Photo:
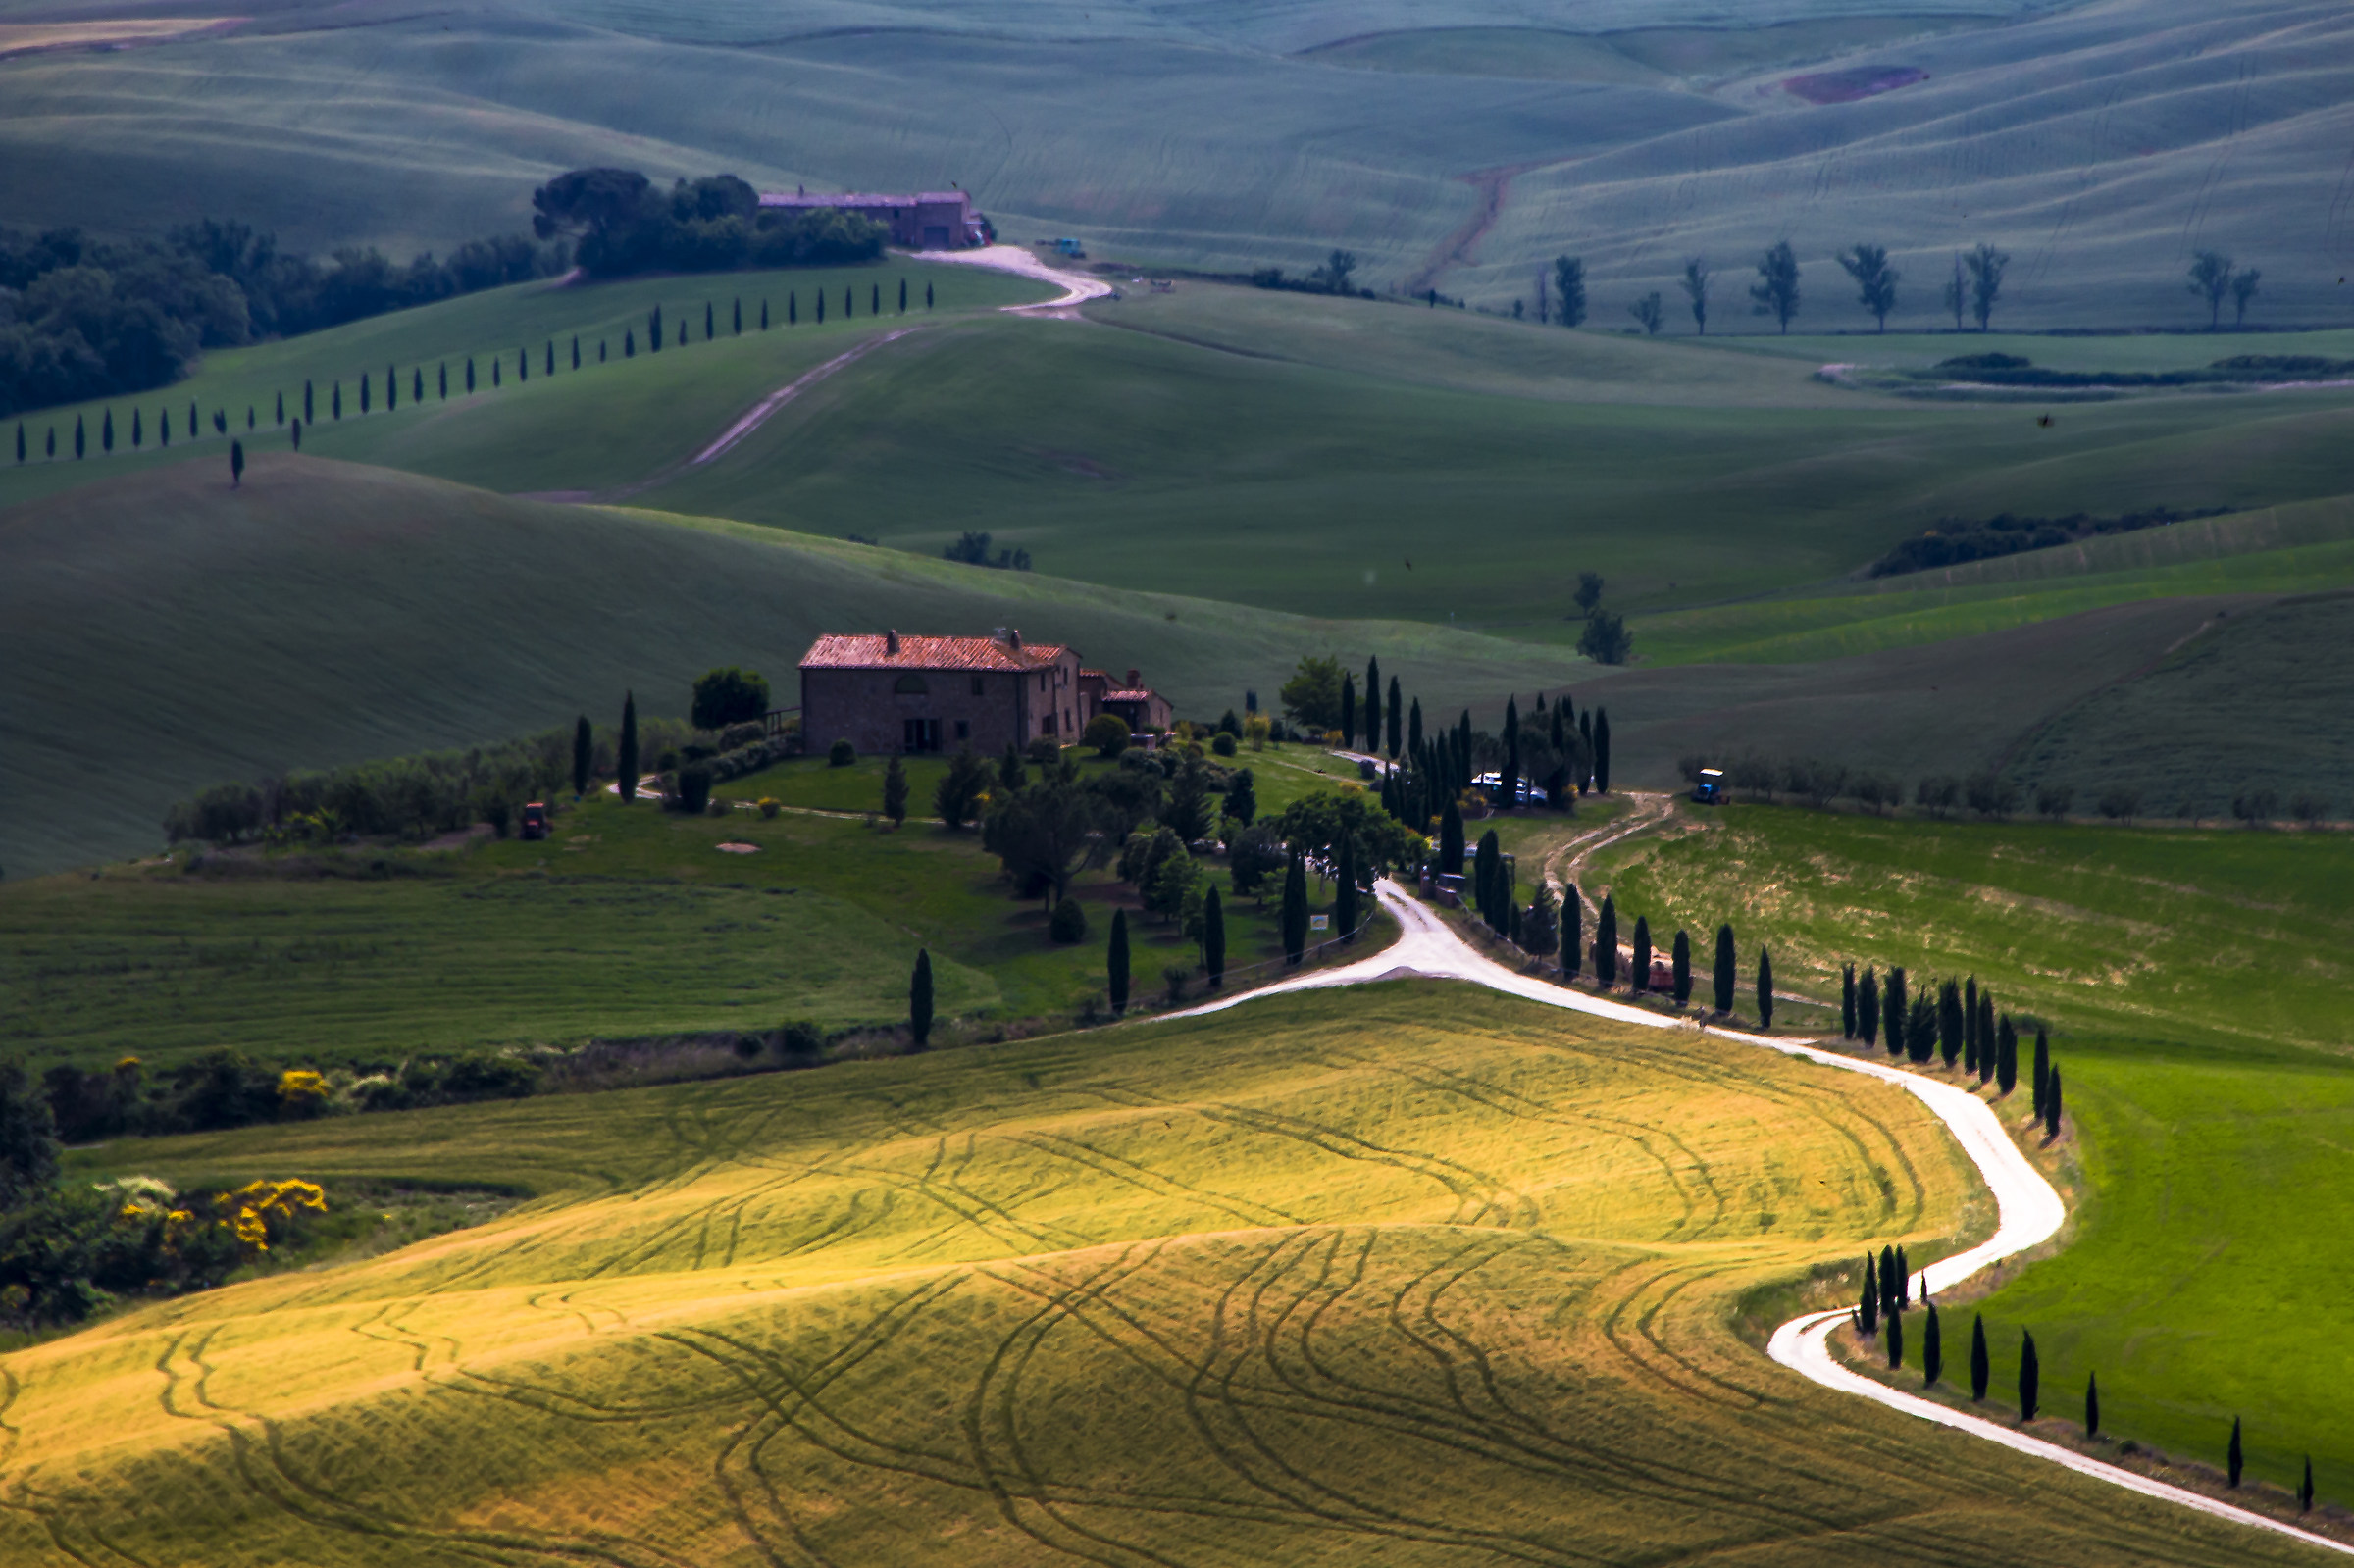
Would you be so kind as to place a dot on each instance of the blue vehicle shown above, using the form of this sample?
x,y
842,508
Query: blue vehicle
x,y
1708,789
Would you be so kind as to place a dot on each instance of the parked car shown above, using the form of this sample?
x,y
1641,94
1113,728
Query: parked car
x,y
535,820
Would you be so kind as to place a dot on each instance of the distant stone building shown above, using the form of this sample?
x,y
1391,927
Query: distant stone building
x,y
930,220
912,694
1143,710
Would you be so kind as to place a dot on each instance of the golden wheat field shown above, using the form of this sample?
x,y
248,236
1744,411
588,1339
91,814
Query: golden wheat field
x,y
1406,1275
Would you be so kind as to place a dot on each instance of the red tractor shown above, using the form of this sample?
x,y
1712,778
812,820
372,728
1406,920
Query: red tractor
x,y
535,820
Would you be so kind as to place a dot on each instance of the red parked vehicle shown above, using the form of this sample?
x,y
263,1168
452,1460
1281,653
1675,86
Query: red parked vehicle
x,y
535,820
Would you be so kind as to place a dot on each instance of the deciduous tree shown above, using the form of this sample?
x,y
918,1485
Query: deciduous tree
x,y
2211,281
1875,280
1776,292
1985,265
1696,290
1569,285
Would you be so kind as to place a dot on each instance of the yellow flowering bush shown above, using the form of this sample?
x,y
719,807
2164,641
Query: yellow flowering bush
x,y
770,805
261,1212
301,1091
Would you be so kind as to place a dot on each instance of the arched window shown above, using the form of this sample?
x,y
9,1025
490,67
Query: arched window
x,y
912,685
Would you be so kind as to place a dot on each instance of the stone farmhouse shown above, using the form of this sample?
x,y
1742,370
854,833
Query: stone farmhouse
x,y
929,220
903,694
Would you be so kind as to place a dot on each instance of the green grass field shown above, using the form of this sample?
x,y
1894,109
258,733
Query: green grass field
x,y
2194,984
1322,1279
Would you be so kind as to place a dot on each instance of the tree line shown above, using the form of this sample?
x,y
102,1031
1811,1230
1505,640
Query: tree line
x,y
620,225
1986,794
83,319
371,391
1970,293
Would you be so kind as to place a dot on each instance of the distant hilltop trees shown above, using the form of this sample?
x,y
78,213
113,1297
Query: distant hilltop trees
x,y
82,318
622,225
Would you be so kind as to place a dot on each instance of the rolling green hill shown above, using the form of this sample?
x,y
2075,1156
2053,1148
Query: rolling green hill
x,y
1408,1273
2099,145
2193,982
160,633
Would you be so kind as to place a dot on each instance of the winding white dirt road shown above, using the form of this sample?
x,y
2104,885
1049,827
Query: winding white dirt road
x,y
1077,287
2029,1210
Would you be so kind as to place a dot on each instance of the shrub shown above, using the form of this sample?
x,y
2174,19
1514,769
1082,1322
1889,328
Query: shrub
x,y
2256,807
1223,744
1175,975
803,1041
1045,751
1108,733
1068,923
1365,766
695,788
730,696
1938,795
301,1092
2121,802
2052,800
737,736
770,805
1991,795
841,754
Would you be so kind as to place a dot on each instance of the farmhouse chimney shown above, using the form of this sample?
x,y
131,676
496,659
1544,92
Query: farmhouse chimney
x,y
1013,639
890,642
1133,681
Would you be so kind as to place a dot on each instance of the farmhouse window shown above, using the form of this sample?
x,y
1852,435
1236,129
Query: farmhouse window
x,y
919,735
912,685
976,685
964,728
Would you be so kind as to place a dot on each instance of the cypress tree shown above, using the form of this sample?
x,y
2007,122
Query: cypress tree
x,y
600,351
138,430
1933,1352
1949,1024
583,755
2043,1067
919,998
1343,893
927,296
2051,1106
1869,1309
282,417
20,440
1896,1341
736,317
1889,1304
902,296
1765,988
417,384
874,299
308,418
237,478
366,386
576,351
81,441
1726,965
392,388
1508,780
625,768
442,377
629,349
1372,704
49,448
1413,725
1920,1030
1904,1279
1605,945
1115,961
1638,978
295,431
106,431
2233,1458
2092,1405
1681,961
496,382
1892,1011
708,331
1981,1368
1450,840
764,315
249,422
849,303
1213,939
654,330
1486,862
2305,1487
1573,933
1295,910
1348,709
523,364
821,307
306,414
1847,1002
1985,1036
1585,736
470,372
2031,1377
2006,1055
162,426
793,308
1601,751
1390,709
1969,1025
551,357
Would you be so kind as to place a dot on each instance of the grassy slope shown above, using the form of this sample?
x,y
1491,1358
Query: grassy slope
x,y
328,613
2195,984
1313,1280
630,922
2124,138
607,424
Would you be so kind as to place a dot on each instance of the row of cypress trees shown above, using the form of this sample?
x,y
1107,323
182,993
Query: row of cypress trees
x,y
366,388
1432,771
1960,1026
1879,1314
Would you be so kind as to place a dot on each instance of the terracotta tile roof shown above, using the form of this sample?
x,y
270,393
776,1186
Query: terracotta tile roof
x,y
1086,673
859,652
858,199
1139,694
